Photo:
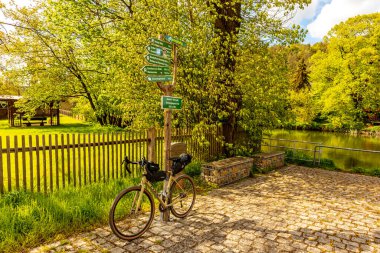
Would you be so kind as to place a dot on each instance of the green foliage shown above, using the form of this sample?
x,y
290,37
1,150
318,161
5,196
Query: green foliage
x,y
344,72
93,51
373,129
27,218
366,171
194,169
301,77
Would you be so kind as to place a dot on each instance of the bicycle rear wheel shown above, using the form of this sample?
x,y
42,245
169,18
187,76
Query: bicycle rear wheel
x,y
126,220
182,195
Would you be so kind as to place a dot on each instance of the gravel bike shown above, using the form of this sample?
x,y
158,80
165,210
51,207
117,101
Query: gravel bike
x,y
133,209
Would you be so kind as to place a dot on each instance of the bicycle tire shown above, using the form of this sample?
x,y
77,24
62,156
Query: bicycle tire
x,y
125,225
183,188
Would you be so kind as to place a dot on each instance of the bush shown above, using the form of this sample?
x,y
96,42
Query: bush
x,y
193,169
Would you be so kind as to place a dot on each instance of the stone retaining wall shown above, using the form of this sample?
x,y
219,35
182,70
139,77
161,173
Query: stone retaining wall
x,y
228,170
268,161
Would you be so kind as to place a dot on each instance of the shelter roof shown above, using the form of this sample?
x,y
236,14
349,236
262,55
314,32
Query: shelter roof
x,y
9,97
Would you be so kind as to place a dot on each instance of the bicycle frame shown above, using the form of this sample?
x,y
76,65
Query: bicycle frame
x,y
145,184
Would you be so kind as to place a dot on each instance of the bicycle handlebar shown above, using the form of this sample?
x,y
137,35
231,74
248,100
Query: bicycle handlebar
x,y
126,161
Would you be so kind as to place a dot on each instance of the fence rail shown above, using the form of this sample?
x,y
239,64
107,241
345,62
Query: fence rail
x,y
71,114
299,145
45,163
315,149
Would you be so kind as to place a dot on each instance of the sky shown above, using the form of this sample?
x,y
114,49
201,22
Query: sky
x,y
318,17
321,15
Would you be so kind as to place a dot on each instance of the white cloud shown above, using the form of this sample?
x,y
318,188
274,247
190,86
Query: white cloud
x,y
338,11
308,13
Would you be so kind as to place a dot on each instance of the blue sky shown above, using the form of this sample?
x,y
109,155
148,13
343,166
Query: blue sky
x,y
321,15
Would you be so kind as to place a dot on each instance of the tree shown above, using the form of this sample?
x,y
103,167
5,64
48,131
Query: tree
x,y
301,77
345,74
94,50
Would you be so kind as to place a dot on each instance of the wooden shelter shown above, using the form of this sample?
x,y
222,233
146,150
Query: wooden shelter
x,y
49,115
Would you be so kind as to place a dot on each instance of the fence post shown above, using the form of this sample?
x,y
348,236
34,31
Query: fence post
x,y
152,134
1,168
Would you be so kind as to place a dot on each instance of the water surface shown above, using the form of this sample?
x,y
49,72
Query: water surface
x,y
342,158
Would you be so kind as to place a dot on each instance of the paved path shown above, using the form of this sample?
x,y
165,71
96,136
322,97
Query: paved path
x,y
294,209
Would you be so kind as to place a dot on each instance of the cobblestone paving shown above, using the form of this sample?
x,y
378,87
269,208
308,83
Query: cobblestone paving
x,y
294,209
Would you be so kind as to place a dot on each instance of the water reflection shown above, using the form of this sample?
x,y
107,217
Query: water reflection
x,y
342,158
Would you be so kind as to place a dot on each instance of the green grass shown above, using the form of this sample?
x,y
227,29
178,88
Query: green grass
x,y
372,129
30,219
104,160
68,125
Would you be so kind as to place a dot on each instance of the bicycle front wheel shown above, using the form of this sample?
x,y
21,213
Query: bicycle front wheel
x,y
182,196
127,220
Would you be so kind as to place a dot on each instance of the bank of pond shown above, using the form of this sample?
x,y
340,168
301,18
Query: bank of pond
x,y
365,158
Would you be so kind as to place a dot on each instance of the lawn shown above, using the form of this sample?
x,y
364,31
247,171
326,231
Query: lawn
x,y
63,163
68,125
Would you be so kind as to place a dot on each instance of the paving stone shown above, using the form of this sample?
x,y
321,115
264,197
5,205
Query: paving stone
x,y
294,209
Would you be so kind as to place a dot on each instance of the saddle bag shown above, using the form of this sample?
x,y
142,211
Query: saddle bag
x,y
154,174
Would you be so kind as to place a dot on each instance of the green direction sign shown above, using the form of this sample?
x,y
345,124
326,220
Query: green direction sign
x,y
171,103
175,40
160,43
160,78
154,59
156,70
158,50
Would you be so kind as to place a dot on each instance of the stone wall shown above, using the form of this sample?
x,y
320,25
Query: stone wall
x,y
228,170
268,161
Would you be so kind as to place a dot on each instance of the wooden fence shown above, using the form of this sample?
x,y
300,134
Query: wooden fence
x,y
45,163
71,114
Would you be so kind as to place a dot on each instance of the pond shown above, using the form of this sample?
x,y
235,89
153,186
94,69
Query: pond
x,y
342,158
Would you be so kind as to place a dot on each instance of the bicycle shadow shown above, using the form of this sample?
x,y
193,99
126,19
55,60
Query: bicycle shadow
x,y
222,233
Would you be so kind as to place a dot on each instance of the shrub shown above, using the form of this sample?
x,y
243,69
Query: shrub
x,y
193,169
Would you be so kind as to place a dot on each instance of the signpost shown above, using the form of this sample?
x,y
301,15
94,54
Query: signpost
x,y
159,78
174,40
154,59
171,103
156,70
161,43
159,54
158,50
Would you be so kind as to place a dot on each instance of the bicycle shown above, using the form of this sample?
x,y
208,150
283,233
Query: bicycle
x,y
133,209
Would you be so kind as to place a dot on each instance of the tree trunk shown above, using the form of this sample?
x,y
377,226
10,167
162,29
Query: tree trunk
x,y
227,25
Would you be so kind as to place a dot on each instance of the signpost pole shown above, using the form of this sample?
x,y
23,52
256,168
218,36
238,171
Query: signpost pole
x,y
168,91
159,55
